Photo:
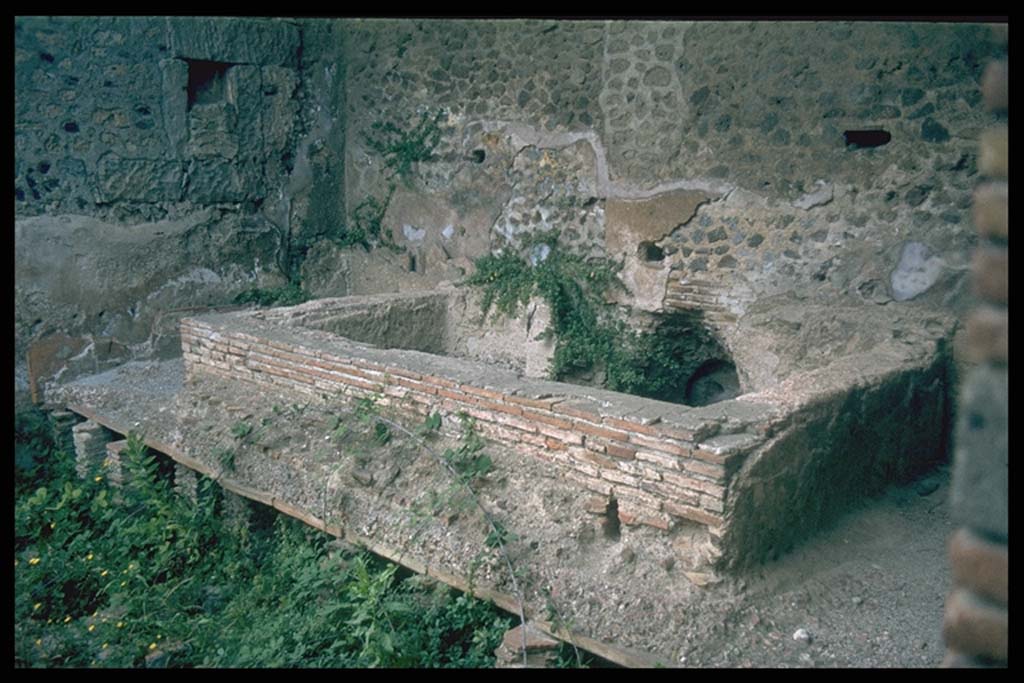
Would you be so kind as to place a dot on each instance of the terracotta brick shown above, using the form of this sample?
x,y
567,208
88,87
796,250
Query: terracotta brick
x,y
455,396
975,627
995,86
566,408
635,515
712,503
362,373
991,215
694,484
484,393
661,444
594,444
980,565
638,496
368,365
624,452
993,160
596,459
667,492
987,335
597,505
552,420
568,437
649,429
603,432
695,514
716,472
590,483
440,381
416,386
402,372
661,460
517,423
620,478
543,403
990,266
580,466
554,444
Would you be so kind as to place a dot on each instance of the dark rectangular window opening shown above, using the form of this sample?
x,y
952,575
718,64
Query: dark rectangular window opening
x,y
206,81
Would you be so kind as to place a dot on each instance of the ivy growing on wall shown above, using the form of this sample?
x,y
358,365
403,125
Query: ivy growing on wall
x,y
588,336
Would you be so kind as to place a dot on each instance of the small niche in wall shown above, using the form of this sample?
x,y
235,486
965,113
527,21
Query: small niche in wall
x,y
206,81
650,252
862,139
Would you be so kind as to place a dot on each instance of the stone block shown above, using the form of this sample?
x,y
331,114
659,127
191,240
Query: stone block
x,y
214,180
974,627
987,334
991,272
140,180
980,565
174,86
234,40
980,485
991,214
994,158
995,88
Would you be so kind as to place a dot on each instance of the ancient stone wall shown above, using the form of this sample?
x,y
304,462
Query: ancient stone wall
x,y
710,158
158,161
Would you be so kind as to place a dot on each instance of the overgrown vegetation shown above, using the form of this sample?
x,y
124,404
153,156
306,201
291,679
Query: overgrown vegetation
x,y
587,335
155,578
402,147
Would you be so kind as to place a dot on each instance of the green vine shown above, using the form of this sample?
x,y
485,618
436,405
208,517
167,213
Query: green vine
x,y
400,147
587,335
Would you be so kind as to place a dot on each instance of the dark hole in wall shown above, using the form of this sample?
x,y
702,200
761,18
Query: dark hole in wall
x,y
611,527
666,361
714,381
478,156
650,252
860,139
206,81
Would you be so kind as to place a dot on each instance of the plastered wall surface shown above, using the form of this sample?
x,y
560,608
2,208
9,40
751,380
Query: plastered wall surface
x,y
157,162
721,143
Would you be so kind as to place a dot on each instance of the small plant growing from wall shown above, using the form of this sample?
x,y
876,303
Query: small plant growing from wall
x,y
589,337
401,148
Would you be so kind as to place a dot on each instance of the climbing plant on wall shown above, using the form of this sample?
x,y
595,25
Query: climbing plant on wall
x,y
587,333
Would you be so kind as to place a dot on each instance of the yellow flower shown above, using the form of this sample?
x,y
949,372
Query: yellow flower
x,y
92,627
120,624
89,556
37,605
34,561
131,566
67,618
152,646
53,525
98,479
39,641
123,584
104,572
106,645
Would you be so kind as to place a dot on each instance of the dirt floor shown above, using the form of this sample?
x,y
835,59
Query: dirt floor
x,y
868,592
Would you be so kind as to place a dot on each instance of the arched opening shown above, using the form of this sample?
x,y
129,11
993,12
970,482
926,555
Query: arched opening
x,y
714,381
